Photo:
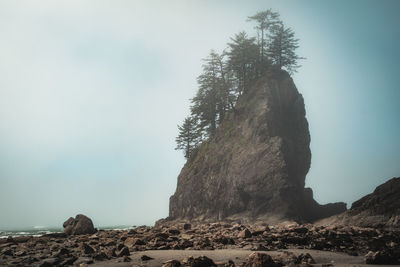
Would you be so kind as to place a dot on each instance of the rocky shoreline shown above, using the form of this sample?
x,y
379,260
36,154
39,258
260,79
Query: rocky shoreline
x,y
379,246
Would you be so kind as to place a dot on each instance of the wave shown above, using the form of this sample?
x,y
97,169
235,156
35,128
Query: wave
x,y
29,232
42,230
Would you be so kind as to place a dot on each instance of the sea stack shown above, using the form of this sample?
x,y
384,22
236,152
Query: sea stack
x,y
255,166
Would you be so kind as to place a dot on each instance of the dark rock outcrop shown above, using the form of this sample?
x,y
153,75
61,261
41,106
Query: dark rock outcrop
x,y
261,260
385,199
255,165
389,257
381,208
78,226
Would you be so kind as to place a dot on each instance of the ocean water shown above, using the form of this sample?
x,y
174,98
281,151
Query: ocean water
x,y
33,231
42,230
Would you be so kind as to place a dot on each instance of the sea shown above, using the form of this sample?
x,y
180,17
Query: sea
x,y
42,230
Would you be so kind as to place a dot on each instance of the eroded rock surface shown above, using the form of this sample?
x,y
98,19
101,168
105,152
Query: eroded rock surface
x,y
255,166
78,226
381,208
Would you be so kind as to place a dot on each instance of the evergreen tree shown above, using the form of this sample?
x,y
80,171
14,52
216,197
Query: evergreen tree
x,y
282,48
205,102
189,136
222,81
265,20
214,96
226,95
243,56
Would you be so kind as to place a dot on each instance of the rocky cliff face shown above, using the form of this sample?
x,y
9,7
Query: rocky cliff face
x,y
255,166
381,208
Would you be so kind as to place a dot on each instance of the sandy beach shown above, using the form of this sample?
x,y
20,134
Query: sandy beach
x,y
238,256
221,242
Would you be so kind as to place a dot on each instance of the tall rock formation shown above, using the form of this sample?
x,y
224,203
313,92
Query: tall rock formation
x,y
255,165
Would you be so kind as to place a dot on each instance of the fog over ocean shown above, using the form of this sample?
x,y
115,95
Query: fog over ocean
x,y
91,93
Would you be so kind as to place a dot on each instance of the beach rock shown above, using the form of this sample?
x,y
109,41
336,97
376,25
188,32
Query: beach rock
x,y
110,243
305,258
86,249
256,259
244,234
8,252
110,252
62,252
20,253
55,235
174,231
383,256
101,256
286,258
22,239
49,262
171,263
145,258
124,251
120,246
133,241
255,165
78,226
201,261
162,235
68,261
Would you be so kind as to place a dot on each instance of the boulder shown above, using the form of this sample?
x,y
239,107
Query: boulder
x,y
256,259
201,261
244,234
78,226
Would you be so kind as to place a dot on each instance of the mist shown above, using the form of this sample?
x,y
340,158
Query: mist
x,y
91,94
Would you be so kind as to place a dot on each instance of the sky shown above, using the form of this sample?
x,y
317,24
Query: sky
x,y
91,93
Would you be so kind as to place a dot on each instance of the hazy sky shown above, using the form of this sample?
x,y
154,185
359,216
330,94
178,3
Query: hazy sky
x,y
91,93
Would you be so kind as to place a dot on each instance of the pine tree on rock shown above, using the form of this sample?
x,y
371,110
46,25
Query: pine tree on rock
x,y
226,95
282,48
223,80
214,95
243,57
265,21
189,136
